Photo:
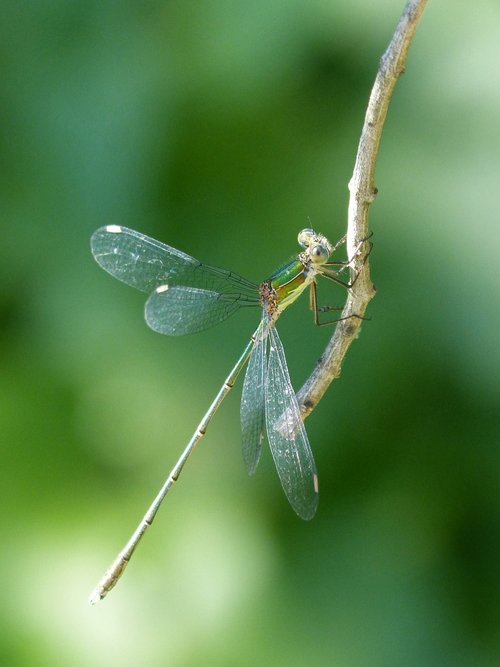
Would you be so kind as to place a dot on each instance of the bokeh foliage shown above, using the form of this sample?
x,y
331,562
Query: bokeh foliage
x,y
223,128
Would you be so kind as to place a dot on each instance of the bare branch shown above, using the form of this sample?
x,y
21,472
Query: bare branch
x,y
362,194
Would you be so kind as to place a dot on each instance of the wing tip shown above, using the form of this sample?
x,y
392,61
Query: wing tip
x,y
307,509
309,513
97,237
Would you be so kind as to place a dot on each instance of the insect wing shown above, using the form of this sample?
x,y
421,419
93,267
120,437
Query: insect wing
x,y
146,264
287,436
252,400
177,311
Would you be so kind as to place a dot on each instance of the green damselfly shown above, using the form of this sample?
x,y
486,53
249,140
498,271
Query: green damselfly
x,y
187,296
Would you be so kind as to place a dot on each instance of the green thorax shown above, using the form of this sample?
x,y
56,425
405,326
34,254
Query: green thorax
x,y
288,282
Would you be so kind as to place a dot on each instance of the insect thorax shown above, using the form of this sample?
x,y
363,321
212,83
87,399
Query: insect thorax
x,y
268,297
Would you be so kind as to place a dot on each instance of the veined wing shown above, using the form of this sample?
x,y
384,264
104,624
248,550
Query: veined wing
x,y
181,310
146,264
287,435
252,400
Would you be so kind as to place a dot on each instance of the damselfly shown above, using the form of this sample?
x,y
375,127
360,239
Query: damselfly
x,y
187,296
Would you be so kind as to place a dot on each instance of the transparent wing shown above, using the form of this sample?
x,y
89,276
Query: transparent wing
x,y
177,311
252,400
145,264
287,435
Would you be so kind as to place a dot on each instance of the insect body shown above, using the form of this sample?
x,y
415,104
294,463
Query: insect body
x,y
186,296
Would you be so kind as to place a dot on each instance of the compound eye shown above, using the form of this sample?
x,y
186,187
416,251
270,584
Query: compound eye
x,y
304,238
319,254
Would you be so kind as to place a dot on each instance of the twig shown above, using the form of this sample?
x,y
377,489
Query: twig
x,y
362,194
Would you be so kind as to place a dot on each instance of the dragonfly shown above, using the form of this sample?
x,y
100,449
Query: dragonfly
x,y
187,296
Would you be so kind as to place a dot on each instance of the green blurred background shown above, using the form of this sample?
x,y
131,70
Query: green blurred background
x,y
223,128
